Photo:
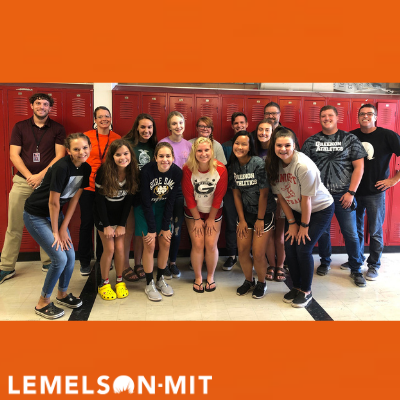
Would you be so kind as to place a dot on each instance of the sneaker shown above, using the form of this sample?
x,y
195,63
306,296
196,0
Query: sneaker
x,y
152,292
167,273
175,270
164,288
358,279
45,268
229,263
260,290
70,301
290,296
345,265
323,269
4,275
372,274
50,311
86,270
301,300
246,287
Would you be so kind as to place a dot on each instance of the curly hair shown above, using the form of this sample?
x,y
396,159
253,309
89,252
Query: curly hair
x,y
133,134
41,96
110,186
192,162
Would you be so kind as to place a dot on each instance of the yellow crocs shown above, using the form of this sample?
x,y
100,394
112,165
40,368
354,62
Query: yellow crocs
x,y
121,290
107,293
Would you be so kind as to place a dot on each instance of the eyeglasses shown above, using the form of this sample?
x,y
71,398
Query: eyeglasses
x,y
272,114
370,114
201,127
103,116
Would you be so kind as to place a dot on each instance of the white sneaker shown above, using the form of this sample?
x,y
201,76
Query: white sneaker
x,y
165,289
152,292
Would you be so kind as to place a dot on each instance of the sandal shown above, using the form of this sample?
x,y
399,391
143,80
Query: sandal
x,y
210,289
106,292
280,273
130,275
139,271
270,275
200,288
121,290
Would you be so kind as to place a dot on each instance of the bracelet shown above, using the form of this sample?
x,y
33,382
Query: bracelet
x,y
260,219
291,223
291,219
198,219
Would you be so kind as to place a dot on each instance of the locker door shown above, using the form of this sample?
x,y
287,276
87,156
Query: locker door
x,y
184,104
355,106
387,115
208,106
4,165
311,120
156,105
78,111
255,110
126,107
343,108
229,106
290,115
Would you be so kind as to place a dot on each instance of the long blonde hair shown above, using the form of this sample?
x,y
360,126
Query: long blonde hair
x,y
192,162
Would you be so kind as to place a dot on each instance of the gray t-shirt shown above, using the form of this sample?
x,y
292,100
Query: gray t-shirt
x,y
302,178
249,179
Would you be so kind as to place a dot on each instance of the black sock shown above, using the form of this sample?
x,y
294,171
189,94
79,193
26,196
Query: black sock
x,y
160,273
149,277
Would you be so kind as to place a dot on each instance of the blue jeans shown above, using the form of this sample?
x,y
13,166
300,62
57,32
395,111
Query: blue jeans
x,y
299,256
62,262
348,225
375,206
177,220
231,216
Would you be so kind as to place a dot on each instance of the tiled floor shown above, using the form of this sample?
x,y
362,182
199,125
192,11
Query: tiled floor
x,y
335,293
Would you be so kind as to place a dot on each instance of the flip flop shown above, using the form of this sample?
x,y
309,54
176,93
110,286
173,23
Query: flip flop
x,y
200,288
210,289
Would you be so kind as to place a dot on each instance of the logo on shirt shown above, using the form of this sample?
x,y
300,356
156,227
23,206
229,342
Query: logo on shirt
x,y
245,179
144,157
289,190
329,146
204,187
369,149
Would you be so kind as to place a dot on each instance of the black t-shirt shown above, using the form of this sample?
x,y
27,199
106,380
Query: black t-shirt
x,y
380,145
62,177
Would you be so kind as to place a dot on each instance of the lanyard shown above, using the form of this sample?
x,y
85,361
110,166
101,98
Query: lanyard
x,y
98,142
41,137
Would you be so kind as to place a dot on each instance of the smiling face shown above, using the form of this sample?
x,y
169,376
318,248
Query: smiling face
x,y
239,124
241,148
122,157
284,148
103,119
264,132
203,154
164,159
145,129
41,109
329,121
367,118
203,130
273,113
79,151
177,126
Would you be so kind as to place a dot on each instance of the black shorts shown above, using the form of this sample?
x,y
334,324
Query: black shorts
x,y
269,220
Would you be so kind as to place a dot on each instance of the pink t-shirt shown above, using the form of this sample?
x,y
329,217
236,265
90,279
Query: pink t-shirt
x,y
181,150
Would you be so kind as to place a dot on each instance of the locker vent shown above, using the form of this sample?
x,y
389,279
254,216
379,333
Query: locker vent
x,y
206,110
182,108
356,116
155,110
54,109
385,117
230,109
78,107
313,115
126,110
21,106
289,111
396,231
341,113
257,112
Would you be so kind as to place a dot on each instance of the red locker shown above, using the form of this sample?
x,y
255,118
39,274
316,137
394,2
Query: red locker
x,y
336,234
126,107
78,111
208,106
343,108
387,115
355,106
311,120
155,104
184,104
230,105
255,110
290,115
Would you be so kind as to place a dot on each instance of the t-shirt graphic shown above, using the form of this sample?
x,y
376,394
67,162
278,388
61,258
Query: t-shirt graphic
x,y
204,187
72,187
369,149
161,188
144,157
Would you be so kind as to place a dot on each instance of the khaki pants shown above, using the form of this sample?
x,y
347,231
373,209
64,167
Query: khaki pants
x,y
20,191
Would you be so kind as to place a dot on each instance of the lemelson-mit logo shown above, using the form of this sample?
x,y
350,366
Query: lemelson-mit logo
x,y
72,384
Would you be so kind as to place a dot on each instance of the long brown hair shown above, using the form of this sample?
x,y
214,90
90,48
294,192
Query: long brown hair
x,y
133,134
110,186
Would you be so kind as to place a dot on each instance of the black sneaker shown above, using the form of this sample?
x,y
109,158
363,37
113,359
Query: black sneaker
x,y
323,269
50,311
175,271
301,300
70,301
167,273
358,279
290,296
229,263
246,287
85,270
260,290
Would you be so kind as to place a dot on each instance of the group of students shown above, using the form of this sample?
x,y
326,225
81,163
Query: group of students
x,y
136,188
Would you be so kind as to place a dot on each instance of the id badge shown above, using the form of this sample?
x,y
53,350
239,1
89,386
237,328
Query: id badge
x,y
36,157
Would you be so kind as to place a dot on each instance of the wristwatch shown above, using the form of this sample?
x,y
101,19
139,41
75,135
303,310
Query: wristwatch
x,y
351,192
304,225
